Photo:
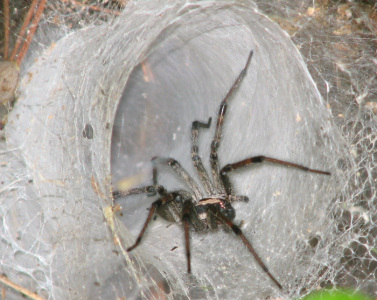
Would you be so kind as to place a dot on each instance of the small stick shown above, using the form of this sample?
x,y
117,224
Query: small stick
x,y
23,29
33,28
93,7
20,289
6,28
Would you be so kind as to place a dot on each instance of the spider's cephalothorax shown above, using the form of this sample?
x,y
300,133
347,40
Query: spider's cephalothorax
x,y
191,207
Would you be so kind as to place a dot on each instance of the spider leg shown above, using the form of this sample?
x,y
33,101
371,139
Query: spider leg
x,y
239,233
150,190
229,189
237,198
219,127
156,204
261,159
176,166
187,206
197,161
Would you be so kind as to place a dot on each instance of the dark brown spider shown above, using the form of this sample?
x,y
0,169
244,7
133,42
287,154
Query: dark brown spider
x,y
193,208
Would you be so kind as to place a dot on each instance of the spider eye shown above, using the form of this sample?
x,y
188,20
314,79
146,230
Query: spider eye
x,y
178,198
222,205
227,210
151,192
230,213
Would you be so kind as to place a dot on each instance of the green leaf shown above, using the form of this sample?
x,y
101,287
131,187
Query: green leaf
x,y
336,295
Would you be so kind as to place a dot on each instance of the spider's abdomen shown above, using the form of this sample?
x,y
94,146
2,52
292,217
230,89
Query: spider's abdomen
x,y
171,211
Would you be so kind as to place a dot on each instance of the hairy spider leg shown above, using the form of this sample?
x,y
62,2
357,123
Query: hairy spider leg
x,y
150,190
219,128
197,161
176,166
261,159
204,177
187,206
154,174
165,199
239,233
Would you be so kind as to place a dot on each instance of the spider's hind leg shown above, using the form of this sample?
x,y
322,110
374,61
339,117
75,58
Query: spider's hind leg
x,y
168,197
237,230
149,190
190,217
186,212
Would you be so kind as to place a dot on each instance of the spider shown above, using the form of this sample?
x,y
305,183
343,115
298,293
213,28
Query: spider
x,y
205,211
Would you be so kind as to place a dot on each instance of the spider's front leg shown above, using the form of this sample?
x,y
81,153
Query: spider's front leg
x,y
219,183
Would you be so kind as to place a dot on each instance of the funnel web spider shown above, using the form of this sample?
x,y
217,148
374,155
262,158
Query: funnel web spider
x,y
205,211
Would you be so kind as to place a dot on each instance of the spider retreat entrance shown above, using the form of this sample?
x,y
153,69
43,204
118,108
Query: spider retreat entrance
x,y
205,210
